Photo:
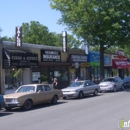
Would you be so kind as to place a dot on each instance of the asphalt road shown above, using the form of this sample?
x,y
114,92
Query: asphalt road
x,y
102,112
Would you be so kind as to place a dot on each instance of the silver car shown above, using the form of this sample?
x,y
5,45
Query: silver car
x,y
111,84
81,88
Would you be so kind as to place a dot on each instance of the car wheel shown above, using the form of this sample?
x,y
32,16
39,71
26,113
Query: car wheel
x,y
27,105
95,92
8,108
80,96
114,89
122,87
54,100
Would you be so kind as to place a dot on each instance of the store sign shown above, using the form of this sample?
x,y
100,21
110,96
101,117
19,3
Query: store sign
x,y
64,41
107,61
50,56
79,58
94,59
84,65
18,36
19,60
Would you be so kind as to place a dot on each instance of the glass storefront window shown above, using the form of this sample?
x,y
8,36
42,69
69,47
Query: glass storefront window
x,y
44,77
57,74
35,77
64,76
13,78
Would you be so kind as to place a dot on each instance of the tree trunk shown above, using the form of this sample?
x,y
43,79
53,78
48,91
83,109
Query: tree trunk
x,y
101,62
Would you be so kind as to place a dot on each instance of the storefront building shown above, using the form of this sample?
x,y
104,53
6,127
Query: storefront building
x,y
94,69
120,64
79,64
32,63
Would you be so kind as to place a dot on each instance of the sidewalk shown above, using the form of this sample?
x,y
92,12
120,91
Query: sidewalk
x,y
9,91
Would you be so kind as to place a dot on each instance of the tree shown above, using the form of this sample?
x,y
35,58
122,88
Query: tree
x,y
99,22
11,39
36,33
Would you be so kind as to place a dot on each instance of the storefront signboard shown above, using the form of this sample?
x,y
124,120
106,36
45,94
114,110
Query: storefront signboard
x,y
79,58
94,59
50,56
19,59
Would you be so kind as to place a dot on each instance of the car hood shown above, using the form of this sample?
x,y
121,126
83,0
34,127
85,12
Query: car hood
x,y
16,95
106,83
71,88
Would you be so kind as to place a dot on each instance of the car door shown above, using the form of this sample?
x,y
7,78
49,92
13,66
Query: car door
x,y
117,82
48,92
40,96
120,82
87,87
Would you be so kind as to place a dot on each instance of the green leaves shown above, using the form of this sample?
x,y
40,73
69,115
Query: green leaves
x,y
99,21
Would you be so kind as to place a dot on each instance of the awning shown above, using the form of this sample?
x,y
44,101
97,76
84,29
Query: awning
x,y
18,59
120,64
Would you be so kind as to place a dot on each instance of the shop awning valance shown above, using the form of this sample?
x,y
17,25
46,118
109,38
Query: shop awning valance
x,y
19,59
120,64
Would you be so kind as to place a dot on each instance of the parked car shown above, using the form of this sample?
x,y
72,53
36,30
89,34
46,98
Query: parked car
x,y
80,88
2,103
26,96
126,81
111,84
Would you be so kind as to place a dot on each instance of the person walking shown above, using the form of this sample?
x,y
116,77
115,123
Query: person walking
x,y
55,83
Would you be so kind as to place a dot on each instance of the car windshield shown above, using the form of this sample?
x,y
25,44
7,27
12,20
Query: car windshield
x,y
126,79
26,89
108,79
76,84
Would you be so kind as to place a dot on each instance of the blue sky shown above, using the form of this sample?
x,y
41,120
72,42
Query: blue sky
x,y
14,12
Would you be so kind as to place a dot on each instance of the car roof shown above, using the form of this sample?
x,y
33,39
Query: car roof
x,y
82,80
34,84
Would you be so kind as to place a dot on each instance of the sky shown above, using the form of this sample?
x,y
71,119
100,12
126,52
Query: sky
x,y
15,12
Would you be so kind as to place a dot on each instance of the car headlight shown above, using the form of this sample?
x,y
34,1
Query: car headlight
x,y
14,100
111,85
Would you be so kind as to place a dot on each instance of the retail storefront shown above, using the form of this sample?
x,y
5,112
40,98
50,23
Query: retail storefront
x,y
52,66
32,63
120,64
79,66
94,69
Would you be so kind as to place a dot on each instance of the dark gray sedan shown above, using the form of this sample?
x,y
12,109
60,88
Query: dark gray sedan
x,y
126,81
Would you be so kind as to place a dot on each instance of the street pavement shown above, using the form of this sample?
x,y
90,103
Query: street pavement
x,y
103,112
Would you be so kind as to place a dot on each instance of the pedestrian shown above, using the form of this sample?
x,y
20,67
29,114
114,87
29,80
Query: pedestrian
x,y
76,79
55,83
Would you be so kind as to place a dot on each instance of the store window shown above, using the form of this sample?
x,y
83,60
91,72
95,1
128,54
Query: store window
x,y
13,78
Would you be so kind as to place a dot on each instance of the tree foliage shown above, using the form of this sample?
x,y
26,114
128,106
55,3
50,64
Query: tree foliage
x,y
36,33
99,22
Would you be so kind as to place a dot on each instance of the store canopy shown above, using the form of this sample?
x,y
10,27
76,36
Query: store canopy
x,y
120,64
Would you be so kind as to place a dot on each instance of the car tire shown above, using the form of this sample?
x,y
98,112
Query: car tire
x,y
114,89
54,100
122,87
95,92
8,108
80,95
28,105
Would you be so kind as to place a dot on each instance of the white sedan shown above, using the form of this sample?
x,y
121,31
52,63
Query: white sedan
x,y
79,89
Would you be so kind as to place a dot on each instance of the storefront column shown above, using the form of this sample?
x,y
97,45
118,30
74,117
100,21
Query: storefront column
x,y
26,76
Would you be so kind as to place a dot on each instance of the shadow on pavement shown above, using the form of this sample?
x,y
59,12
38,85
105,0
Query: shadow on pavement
x,y
4,113
41,106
